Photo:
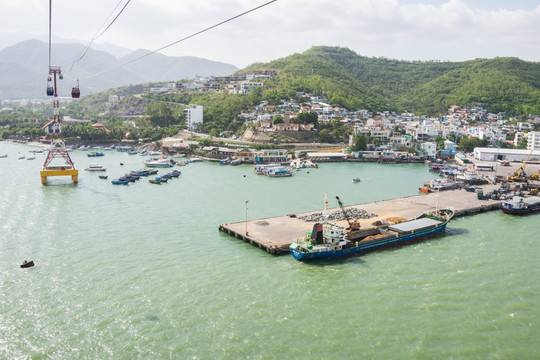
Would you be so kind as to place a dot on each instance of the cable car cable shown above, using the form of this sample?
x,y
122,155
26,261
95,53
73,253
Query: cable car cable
x,y
98,33
183,39
50,30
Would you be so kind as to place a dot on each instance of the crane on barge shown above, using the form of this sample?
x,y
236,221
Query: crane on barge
x,y
353,224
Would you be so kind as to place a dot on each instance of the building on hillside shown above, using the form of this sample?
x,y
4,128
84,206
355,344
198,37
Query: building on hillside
x,y
533,140
428,149
381,134
448,149
246,86
518,137
100,126
194,117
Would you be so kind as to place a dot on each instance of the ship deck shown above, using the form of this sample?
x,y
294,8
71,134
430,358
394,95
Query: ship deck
x,y
275,234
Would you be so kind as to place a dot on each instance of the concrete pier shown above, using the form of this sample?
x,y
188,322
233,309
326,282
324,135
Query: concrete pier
x,y
275,234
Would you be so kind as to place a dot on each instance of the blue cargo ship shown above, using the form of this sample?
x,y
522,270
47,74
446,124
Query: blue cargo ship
x,y
330,241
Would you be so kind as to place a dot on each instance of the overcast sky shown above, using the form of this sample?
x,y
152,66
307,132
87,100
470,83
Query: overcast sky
x,y
399,29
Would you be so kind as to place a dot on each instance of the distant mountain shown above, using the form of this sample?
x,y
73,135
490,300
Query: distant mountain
x,y
24,69
510,85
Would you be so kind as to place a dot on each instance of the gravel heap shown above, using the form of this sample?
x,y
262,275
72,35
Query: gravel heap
x,y
337,215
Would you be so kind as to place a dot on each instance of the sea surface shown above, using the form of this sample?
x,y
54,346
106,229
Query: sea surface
x,y
142,272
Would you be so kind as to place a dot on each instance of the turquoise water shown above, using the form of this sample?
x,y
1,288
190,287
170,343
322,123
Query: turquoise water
x,y
141,271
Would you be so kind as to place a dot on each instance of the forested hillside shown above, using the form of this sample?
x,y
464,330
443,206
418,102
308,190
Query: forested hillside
x,y
353,81
346,79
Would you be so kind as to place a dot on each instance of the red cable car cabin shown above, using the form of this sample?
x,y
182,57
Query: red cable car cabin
x,y
75,92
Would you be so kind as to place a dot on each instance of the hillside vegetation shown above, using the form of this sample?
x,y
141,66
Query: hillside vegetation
x,y
510,85
348,80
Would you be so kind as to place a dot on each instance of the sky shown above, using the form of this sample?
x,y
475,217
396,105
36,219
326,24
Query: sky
x,y
399,29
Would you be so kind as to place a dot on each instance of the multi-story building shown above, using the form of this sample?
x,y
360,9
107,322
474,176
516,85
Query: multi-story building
x,y
428,149
194,117
246,86
517,138
533,140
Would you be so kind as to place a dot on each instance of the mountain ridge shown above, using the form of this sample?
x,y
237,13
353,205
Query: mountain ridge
x,y
25,69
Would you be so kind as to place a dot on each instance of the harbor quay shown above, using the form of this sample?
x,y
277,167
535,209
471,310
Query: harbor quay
x,y
275,234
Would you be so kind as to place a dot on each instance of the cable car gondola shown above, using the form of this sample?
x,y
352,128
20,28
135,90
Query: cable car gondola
x,y
50,90
75,91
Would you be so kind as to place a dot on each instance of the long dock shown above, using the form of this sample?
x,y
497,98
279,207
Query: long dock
x,y
275,234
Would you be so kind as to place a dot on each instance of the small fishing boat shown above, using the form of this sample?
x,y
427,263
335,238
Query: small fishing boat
x,y
94,154
31,157
356,180
3,155
120,182
103,177
27,264
154,181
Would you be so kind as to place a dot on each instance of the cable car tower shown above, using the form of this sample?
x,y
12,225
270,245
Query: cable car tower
x,y
57,149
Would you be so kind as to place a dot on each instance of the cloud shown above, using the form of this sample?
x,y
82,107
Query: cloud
x,y
402,29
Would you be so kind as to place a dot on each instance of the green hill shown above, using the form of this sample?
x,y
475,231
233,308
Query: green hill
x,y
347,79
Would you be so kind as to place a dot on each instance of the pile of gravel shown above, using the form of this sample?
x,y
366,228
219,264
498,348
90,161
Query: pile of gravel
x,y
337,215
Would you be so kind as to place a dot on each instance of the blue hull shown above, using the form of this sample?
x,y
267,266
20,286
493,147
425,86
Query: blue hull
x,y
372,246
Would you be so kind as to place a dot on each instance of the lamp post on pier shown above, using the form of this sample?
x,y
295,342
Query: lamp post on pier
x,y
246,216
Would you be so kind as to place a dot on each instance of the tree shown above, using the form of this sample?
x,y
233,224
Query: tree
x,y
326,136
467,143
159,114
307,118
522,144
278,119
359,142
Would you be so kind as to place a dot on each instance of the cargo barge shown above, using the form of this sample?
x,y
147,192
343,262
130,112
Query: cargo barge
x,y
330,241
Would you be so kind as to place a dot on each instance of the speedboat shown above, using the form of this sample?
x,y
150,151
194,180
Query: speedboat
x,y
161,162
95,167
356,180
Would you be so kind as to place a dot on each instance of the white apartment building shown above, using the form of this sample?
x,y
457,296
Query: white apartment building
x,y
517,138
533,140
194,116
246,86
429,149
